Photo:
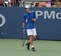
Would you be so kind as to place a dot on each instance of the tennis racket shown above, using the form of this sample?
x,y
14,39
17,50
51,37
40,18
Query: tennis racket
x,y
23,39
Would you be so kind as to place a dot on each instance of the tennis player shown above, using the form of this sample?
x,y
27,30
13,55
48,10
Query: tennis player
x,y
28,21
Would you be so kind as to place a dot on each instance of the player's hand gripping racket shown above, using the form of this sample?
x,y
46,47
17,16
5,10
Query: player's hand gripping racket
x,y
23,38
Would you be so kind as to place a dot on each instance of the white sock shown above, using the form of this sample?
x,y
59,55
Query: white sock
x,y
32,46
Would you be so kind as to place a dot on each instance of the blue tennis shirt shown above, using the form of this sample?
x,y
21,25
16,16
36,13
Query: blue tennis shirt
x,y
28,19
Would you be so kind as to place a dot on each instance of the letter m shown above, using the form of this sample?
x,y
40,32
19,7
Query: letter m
x,y
48,15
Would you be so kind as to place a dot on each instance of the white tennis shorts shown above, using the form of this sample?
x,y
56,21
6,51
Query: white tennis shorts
x,y
31,32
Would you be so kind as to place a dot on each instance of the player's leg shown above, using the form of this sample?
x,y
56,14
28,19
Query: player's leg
x,y
33,38
34,33
29,33
31,43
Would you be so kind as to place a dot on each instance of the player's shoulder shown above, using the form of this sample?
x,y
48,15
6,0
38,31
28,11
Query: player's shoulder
x,y
25,14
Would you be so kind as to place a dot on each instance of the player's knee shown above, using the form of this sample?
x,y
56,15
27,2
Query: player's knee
x,y
34,37
31,37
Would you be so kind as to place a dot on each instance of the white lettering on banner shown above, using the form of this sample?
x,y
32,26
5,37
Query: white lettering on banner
x,y
51,15
48,15
39,13
3,20
57,15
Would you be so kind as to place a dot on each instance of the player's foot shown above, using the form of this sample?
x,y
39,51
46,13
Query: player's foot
x,y
33,49
28,45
